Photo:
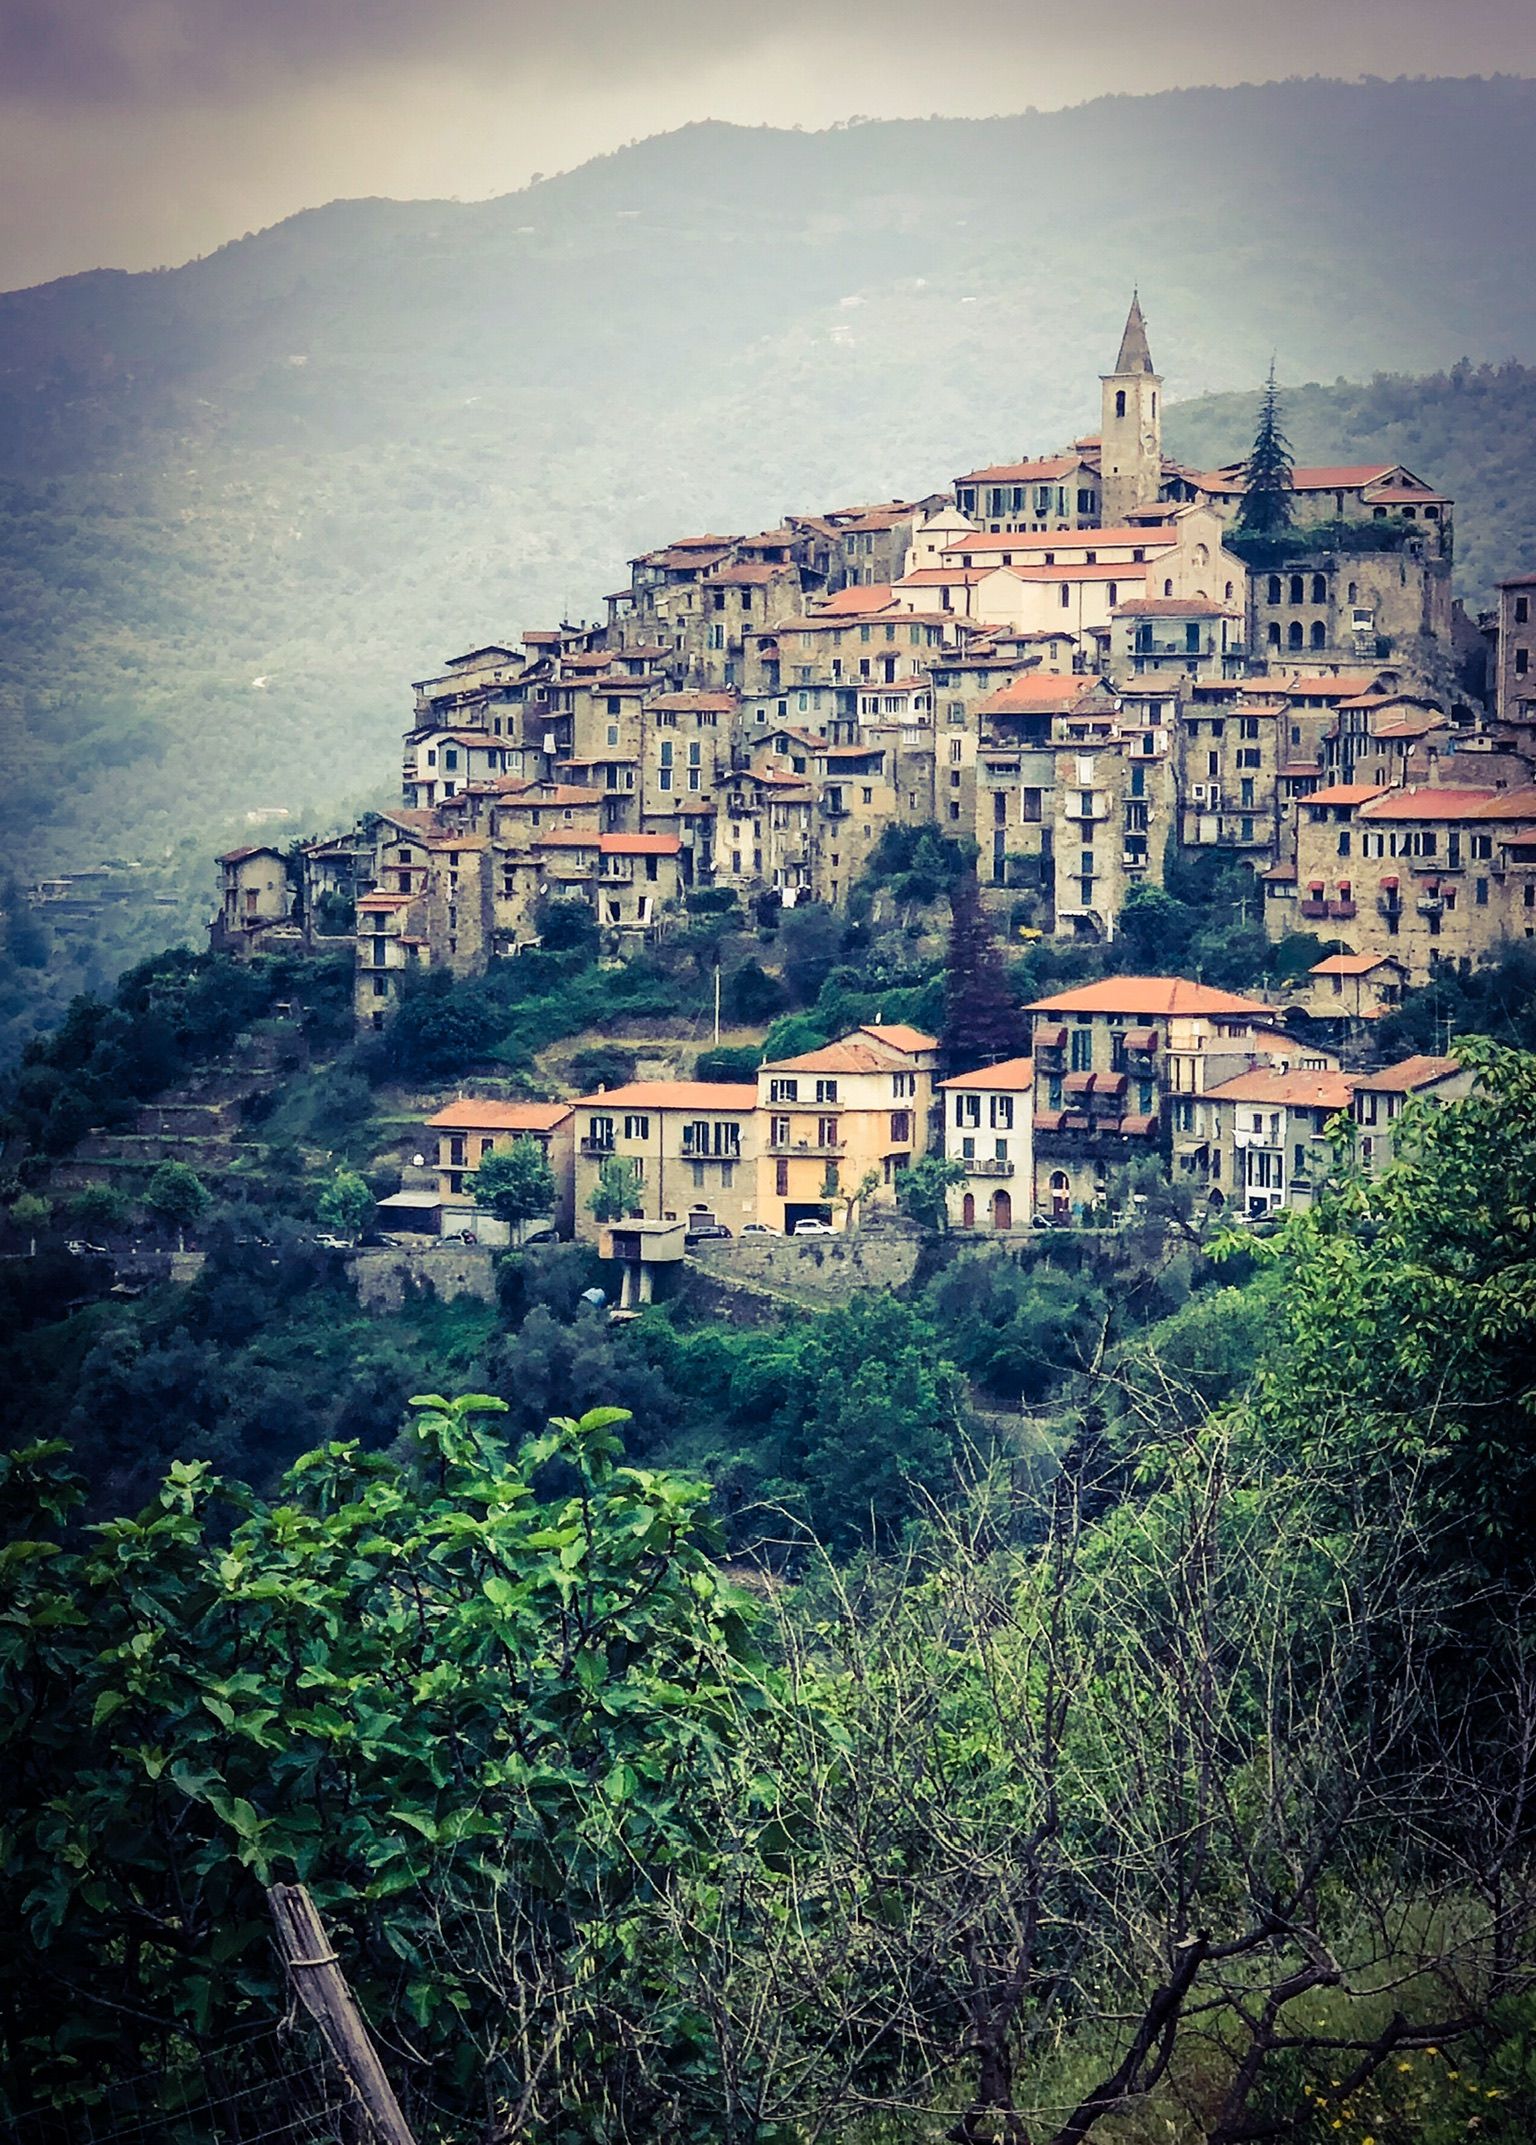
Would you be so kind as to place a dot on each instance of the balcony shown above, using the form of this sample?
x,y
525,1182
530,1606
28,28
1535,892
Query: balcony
x,y
787,1149
981,1166
1341,909
1314,908
834,808
1087,805
600,1149
1430,905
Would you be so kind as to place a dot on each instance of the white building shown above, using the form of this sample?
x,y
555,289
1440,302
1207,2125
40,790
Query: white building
x,y
989,1130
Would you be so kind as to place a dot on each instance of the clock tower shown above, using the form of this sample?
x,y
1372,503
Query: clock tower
x,y
1131,437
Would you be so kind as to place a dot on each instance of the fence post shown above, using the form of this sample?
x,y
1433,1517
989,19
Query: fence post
x,y
320,1987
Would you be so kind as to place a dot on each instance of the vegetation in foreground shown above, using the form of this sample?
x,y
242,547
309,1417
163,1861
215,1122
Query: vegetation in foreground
x,y
1183,1795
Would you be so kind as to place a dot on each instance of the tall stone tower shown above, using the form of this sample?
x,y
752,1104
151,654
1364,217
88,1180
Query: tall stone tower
x,y
1132,430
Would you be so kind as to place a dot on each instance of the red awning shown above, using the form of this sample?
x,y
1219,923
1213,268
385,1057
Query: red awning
x,y
1141,1038
1079,1083
1392,881
1074,1121
1052,1038
1138,1125
1109,1083
1048,1120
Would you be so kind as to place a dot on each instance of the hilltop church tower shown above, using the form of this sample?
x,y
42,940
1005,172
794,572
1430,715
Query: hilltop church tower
x,y
1131,450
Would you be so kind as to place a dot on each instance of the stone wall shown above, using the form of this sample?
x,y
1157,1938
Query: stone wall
x,y
819,1271
383,1278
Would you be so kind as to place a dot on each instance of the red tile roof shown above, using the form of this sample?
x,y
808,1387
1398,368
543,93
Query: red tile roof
x,y
1424,802
1036,692
1346,793
639,845
496,1116
844,1057
1304,1090
1409,1073
1353,964
714,1095
899,1035
1045,471
1168,996
1012,1075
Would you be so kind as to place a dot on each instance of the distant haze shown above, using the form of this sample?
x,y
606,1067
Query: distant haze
x,y
135,133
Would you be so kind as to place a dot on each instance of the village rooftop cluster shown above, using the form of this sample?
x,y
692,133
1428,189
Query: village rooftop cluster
x,y
1076,661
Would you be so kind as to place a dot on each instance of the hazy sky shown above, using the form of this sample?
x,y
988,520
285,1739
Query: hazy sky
x,y
139,132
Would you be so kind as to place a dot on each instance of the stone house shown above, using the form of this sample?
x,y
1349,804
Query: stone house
x,y
1380,1096
1268,1134
255,896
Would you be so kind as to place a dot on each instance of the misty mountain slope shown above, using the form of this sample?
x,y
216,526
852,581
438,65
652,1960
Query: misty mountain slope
x,y
329,454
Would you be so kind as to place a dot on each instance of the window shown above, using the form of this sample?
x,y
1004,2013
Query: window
x,y
778,1131
1119,401
1297,589
783,1090
600,1132
781,1179
901,1127
1319,588
1274,588
967,1110
826,1131
1319,634
1522,610
826,1091
1002,1113
637,1128
1522,661
1082,1049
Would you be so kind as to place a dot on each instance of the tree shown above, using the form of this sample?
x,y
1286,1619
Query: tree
x,y
98,1207
617,1192
516,1183
1268,498
566,926
177,1196
810,937
750,995
345,1206
922,1190
728,1062
31,1214
601,1065
495,1787
982,1021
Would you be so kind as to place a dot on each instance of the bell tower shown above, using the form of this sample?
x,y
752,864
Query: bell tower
x,y
1131,436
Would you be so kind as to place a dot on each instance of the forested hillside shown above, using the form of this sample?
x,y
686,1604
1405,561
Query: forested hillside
x,y
244,501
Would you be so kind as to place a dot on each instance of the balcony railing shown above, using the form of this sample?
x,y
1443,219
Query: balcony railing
x,y
597,1147
1341,908
790,1148
1314,908
985,1166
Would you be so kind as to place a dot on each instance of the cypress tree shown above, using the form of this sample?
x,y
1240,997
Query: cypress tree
x,y
982,1020
1267,502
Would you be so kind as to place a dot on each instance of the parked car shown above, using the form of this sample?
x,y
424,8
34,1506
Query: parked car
x,y
334,1243
540,1236
811,1227
79,1250
759,1228
705,1232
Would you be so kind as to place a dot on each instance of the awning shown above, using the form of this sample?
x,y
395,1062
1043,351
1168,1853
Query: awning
x,y
1074,1121
1391,881
1052,1038
1137,1125
1048,1120
1079,1083
1141,1038
1109,1083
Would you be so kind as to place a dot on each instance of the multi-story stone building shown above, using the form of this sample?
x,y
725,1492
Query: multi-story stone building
x,y
1380,1097
1268,1134
1515,665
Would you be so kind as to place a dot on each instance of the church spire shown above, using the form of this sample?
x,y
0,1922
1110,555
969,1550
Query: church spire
x,y
1134,354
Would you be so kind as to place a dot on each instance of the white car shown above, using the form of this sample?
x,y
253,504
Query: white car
x,y
811,1227
759,1228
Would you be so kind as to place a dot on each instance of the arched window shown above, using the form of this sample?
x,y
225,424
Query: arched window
x,y
1202,556
1297,589
1167,588
1061,1195
968,1211
1154,402
1274,588
1274,633
1319,634
1354,591
1228,593
1120,402
1319,588
1293,637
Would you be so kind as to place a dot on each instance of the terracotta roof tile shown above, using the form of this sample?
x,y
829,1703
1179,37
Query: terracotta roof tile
x,y
1168,996
492,1115
1012,1075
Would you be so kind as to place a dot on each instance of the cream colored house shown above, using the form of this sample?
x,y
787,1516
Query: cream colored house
x,y
834,1117
989,1130
694,1146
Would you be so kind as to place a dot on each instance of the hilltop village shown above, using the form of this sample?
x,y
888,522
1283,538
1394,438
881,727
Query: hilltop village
x,y
1079,663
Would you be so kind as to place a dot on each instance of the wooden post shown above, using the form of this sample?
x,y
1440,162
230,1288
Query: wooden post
x,y
321,1988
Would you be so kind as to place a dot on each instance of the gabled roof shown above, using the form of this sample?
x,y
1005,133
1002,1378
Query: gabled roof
x,y
1346,793
899,1035
1169,996
1013,1075
493,1115
1038,692
1353,964
1162,535
1423,802
1045,471
1409,1073
849,1056
1299,1089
